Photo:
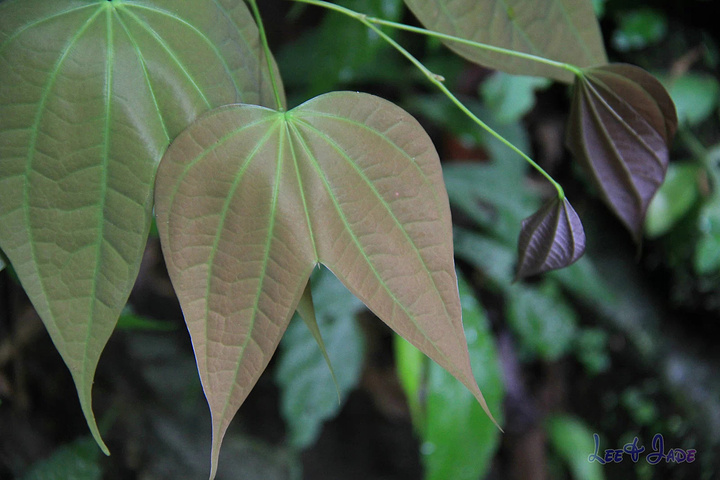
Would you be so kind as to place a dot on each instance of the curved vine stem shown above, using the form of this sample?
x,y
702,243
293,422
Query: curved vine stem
x,y
437,80
268,54
443,36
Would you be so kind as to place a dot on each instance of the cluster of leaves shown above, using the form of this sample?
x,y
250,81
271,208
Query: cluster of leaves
x,y
250,197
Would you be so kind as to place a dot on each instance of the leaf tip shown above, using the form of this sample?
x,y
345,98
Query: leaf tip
x,y
217,439
85,397
483,403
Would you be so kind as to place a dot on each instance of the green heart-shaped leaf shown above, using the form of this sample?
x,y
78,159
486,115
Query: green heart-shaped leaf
x,y
249,200
91,93
620,127
561,30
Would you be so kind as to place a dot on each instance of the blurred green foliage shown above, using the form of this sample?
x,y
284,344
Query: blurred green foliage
x,y
78,460
545,324
308,394
510,97
696,97
674,199
458,440
129,320
571,439
339,52
639,29
490,198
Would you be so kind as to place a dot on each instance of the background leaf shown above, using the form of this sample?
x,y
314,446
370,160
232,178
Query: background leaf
x,y
495,258
459,440
509,97
620,127
78,460
480,191
561,30
436,109
91,93
317,62
573,441
638,29
696,97
674,199
542,319
308,396
707,252
306,311
249,200
131,321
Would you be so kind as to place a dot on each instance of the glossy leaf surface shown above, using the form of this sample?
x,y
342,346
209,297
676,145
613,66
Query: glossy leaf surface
x,y
561,30
551,238
621,124
249,200
91,93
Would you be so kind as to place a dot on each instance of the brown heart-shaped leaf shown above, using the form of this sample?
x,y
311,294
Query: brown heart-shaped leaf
x,y
249,200
620,127
551,238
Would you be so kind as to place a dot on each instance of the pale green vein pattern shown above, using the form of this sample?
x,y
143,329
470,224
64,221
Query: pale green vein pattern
x,y
560,30
91,94
249,200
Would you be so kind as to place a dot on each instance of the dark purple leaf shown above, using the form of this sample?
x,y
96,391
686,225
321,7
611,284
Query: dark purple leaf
x,y
551,238
621,124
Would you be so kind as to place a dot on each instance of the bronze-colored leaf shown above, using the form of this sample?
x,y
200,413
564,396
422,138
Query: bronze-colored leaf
x,y
561,30
551,238
249,200
621,124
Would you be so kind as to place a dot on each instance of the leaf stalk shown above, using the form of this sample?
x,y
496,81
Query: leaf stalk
x,y
437,80
268,54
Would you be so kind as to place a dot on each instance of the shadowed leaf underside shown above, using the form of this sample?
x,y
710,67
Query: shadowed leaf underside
x,y
621,124
91,94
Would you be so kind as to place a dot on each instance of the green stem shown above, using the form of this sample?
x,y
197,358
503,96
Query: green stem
x,y
437,80
268,54
443,36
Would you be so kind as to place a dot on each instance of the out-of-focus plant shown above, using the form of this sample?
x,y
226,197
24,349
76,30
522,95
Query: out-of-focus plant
x,y
114,111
